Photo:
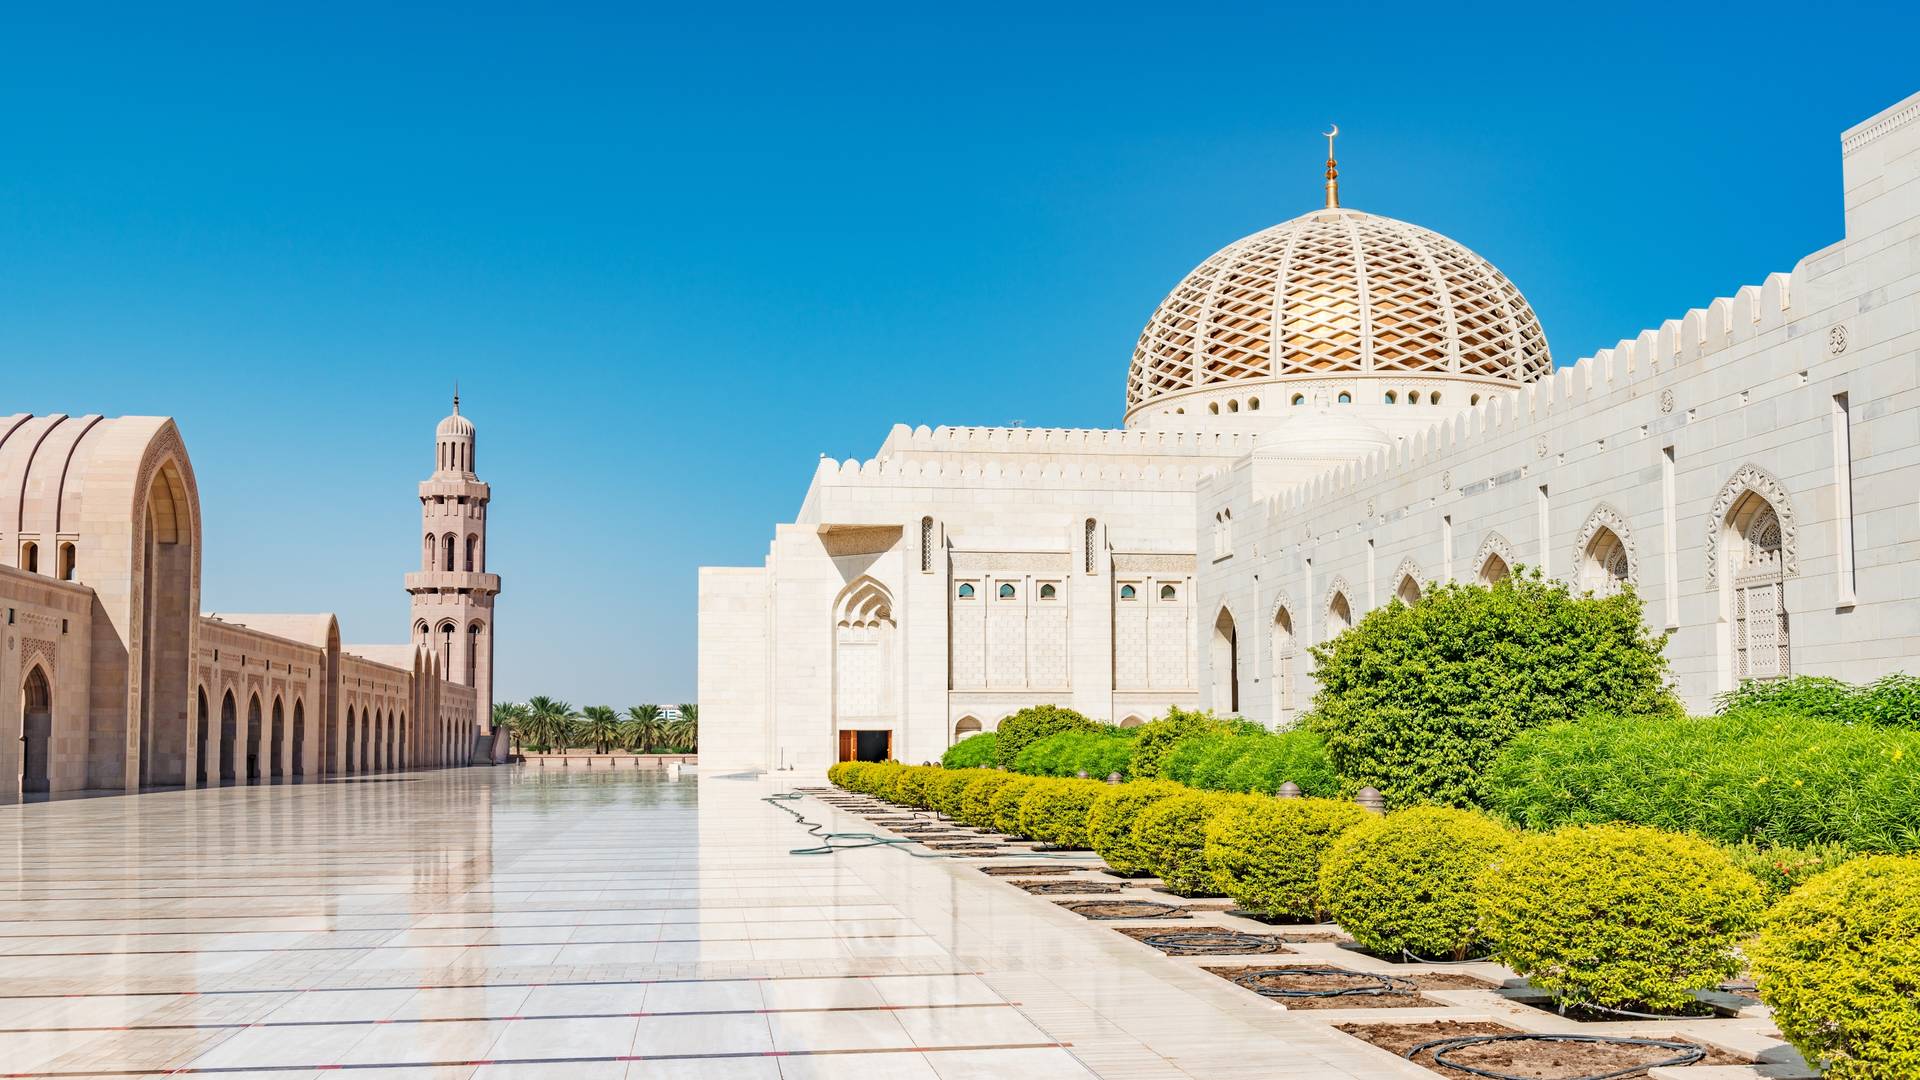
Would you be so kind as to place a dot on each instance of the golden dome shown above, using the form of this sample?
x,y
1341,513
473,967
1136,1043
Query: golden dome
x,y
1337,293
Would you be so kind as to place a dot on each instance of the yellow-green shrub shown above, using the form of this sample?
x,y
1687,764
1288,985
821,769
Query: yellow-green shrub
x,y
1617,916
1055,811
1838,962
945,789
1110,822
1172,836
1265,852
1405,882
976,802
840,774
1006,804
910,785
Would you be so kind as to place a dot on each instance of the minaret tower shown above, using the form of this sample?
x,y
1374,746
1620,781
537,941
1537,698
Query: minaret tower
x,y
452,591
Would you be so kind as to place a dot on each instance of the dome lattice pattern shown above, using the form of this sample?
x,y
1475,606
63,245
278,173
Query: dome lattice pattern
x,y
1338,291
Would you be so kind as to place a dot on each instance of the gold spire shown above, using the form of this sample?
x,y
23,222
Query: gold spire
x,y
1333,171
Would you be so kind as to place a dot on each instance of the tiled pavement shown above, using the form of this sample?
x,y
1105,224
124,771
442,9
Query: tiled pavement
x,y
485,923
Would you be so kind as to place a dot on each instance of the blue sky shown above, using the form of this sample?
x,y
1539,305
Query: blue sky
x,y
674,257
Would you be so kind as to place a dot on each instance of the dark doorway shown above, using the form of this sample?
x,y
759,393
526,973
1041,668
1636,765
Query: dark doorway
x,y
200,740
253,739
279,733
299,738
866,745
229,731
36,733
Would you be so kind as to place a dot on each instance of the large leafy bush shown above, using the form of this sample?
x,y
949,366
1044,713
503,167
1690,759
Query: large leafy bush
x,y
1265,853
1110,823
1770,778
1033,723
1838,962
1617,917
1892,701
1055,811
1154,740
1172,835
971,752
1099,753
1404,883
1257,762
1417,700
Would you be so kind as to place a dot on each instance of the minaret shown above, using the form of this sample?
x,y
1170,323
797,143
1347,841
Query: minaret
x,y
452,591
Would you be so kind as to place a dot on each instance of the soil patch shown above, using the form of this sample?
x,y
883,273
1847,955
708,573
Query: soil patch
x,y
1124,909
1321,986
1535,1059
1195,941
1068,888
1585,1014
1027,869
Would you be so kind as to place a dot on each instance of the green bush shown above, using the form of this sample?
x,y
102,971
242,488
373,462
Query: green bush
x,y
1055,811
1172,836
1265,853
1154,740
1891,701
976,802
1006,804
909,785
1838,962
1770,778
1418,700
1617,917
1099,752
1780,870
1110,823
1404,883
946,789
1031,724
971,752
1257,763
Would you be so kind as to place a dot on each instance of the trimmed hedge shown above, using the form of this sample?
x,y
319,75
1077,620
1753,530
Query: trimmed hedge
x,y
1771,778
1171,834
1404,883
976,802
1100,753
909,785
1031,724
1110,823
1838,962
946,789
1055,811
1617,917
1265,853
972,752
1007,801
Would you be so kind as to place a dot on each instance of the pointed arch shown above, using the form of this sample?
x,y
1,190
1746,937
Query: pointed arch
x,y
1225,661
1407,577
865,652
1494,560
1605,552
968,725
1281,645
36,731
1751,479
276,740
1752,543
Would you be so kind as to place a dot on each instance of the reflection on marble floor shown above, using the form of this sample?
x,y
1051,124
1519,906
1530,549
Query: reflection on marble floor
x,y
484,922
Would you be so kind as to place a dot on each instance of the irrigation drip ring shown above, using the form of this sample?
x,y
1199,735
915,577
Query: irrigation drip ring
x,y
1155,909
1211,943
832,842
1631,1015
1372,985
1686,1053
1441,963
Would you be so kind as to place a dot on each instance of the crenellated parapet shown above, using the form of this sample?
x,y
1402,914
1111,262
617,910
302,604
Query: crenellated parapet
x,y
1025,440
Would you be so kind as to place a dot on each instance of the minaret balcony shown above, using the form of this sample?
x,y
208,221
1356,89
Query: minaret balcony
x,y
440,581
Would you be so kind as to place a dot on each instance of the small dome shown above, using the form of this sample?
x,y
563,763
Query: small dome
x,y
455,424
1337,293
1323,434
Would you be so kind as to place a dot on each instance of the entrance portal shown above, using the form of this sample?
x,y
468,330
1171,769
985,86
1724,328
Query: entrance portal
x,y
36,732
866,745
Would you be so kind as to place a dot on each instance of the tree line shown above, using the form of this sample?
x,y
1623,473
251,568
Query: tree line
x,y
542,724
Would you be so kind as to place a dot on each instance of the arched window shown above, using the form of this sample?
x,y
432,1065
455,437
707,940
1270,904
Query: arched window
x,y
1091,529
1753,542
967,726
426,556
1392,398
1339,615
1473,399
1132,721
1168,592
1006,592
1409,591
30,557
449,547
66,561
1413,398
926,545
1345,398
1253,404
1282,666
1605,567
1226,663
1233,406
966,591
1127,592
1299,399
473,653
1494,569
446,649
1213,407
1433,398
1047,592
473,549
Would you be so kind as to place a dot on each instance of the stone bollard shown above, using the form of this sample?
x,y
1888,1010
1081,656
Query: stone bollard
x,y
1080,774
1113,778
1289,790
1370,800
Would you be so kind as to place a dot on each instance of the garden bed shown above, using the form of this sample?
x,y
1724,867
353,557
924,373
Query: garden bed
x,y
1029,869
1534,1059
1068,888
1203,941
1125,909
1322,986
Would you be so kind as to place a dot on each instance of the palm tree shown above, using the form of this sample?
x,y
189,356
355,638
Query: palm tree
x,y
685,732
550,722
513,716
600,726
643,728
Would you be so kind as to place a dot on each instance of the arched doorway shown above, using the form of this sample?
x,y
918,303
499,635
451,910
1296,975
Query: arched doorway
x,y
253,738
865,672
229,734
1226,663
1282,666
1756,574
276,762
36,733
168,609
967,726
400,751
350,758
299,738
366,739
201,721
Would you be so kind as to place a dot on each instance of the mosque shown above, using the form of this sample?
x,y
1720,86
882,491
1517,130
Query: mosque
x,y
125,685
1333,413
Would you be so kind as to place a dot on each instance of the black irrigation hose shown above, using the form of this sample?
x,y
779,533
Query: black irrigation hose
x,y
1442,963
1688,1053
1211,943
1381,984
869,840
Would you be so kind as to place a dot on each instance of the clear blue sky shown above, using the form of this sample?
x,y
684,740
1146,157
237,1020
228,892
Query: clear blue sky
x,y
672,258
